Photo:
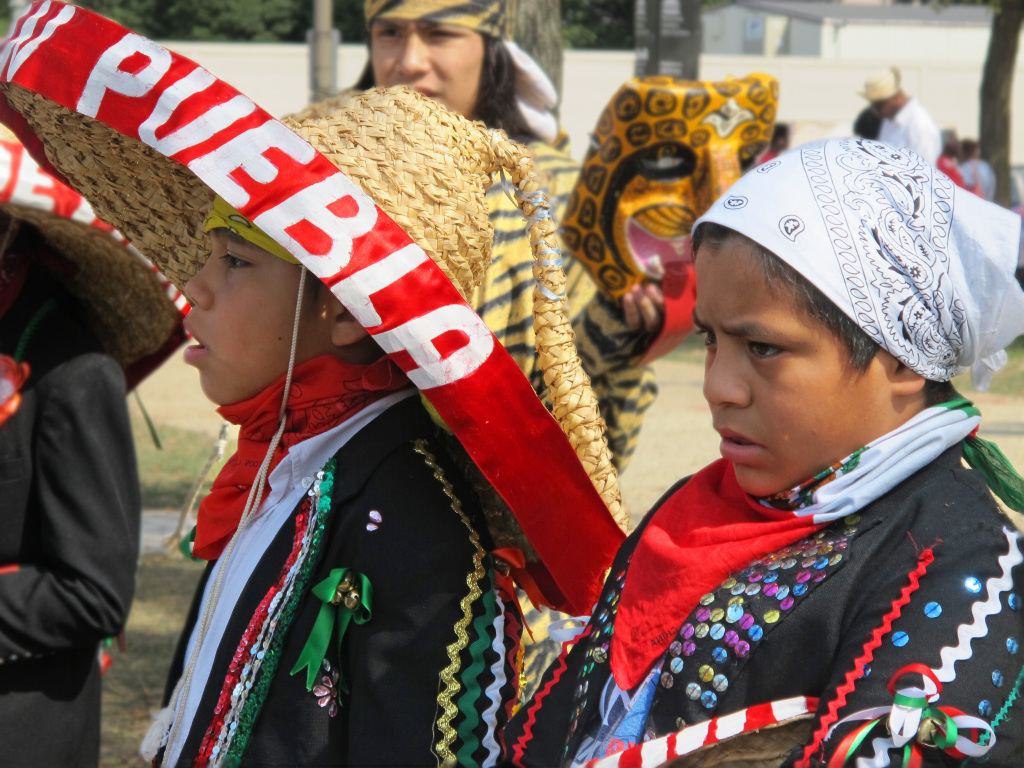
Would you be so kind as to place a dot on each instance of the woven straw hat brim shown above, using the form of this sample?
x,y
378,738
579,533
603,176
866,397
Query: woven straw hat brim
x,y
427,167
160,205
124,301
157,204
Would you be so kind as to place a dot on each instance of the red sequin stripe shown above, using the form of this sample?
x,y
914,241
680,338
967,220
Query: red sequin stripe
x,y
923,561
242,651
538,699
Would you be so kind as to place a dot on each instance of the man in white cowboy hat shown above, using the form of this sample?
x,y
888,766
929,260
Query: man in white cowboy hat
x,y
905,121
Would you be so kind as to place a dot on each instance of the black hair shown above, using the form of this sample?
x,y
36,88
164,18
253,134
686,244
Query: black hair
x,y
496,101
780,277
868,124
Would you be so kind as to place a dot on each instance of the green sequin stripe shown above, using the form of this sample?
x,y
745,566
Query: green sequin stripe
x,y
271,659
1002,716
483,628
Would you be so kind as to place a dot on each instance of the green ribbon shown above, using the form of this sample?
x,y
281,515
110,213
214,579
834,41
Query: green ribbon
x,y
985,456
185,546
941,740
347,596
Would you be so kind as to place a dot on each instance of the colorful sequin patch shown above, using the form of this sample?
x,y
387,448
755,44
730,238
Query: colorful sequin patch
x,y
728,623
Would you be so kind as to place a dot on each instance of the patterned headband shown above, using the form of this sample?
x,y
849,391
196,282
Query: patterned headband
x,y
924,268
489,17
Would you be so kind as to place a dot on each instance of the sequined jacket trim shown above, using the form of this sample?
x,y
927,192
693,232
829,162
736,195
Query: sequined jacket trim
x,y
393,521
798,621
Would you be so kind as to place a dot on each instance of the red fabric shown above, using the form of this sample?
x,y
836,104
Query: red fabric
x,y
949,167
709,529
326,391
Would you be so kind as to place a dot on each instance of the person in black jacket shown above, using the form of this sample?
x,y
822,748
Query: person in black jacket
x,y
69,490
839,573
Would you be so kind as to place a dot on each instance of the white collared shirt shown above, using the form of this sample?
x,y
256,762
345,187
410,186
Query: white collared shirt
x,y
288,483
914,128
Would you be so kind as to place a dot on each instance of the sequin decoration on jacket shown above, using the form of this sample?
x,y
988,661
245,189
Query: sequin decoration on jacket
x,y
928,577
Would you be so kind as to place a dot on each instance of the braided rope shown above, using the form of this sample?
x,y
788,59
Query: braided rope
x,y
573,402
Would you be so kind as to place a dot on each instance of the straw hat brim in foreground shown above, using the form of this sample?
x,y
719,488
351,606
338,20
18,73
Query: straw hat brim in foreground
x,y
446,158
156,203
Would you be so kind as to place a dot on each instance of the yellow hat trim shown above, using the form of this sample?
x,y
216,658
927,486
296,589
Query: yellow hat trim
x,y
224,216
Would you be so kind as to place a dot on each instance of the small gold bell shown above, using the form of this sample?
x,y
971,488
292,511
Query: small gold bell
x,y
352,600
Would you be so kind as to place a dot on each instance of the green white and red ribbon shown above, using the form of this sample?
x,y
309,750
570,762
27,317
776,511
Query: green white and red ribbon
x,y
914,722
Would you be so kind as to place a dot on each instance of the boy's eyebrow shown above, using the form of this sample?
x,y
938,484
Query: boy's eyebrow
x,y
741,329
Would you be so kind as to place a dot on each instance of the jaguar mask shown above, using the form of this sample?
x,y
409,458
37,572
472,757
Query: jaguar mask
x,y
662,152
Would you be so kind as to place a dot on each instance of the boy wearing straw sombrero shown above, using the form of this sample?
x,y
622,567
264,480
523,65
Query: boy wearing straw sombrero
x,y
840,587
358,608
70,337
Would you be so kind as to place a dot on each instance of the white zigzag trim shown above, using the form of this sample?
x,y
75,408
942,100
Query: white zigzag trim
x,y
881,757
994,587
494,689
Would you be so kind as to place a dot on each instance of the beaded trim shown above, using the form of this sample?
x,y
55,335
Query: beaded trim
x,y
256,658
452,684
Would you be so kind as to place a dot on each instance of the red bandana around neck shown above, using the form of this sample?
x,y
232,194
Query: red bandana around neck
x,y
705,532
325,392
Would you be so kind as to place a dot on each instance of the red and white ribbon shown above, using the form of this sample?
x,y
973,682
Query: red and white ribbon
x,y
297,196
659,751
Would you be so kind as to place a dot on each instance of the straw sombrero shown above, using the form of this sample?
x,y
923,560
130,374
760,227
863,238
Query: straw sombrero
x,y
426,168
125,302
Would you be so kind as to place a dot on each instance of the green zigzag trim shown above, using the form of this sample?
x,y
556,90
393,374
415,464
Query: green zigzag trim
x,y
471,676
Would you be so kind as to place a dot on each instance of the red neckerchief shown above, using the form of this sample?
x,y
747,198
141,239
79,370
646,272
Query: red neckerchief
x,y
325,392
705,532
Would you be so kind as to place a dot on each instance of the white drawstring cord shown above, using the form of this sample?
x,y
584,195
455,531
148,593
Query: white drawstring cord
x,y
168,720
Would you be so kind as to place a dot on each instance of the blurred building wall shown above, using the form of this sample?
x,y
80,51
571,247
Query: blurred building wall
x,y
819,96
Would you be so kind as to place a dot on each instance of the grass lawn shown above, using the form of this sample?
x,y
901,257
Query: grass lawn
x,y
133,686
167,473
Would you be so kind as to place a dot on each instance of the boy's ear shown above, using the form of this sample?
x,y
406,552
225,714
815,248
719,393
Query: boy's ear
x,y
345,329
904,381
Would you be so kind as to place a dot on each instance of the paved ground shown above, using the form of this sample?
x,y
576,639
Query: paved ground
x,y
677,437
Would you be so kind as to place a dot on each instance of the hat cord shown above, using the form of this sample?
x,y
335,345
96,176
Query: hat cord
x,y
252,505
573,403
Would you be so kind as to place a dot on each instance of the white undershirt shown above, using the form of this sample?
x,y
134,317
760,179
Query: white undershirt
x,y
288,483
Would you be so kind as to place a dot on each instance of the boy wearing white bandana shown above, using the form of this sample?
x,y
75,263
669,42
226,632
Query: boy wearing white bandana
x,y
840,574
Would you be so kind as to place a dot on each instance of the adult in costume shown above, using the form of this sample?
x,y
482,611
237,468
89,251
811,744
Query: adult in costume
x,y
78,312
876,605
508,90
356,610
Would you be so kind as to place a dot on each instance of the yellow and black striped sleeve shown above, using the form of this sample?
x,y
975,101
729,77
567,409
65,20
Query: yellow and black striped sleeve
x,y
608,348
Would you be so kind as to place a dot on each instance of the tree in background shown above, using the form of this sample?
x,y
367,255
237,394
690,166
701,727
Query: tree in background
x,y
539,33
604,24
997,92
228,20
585,23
